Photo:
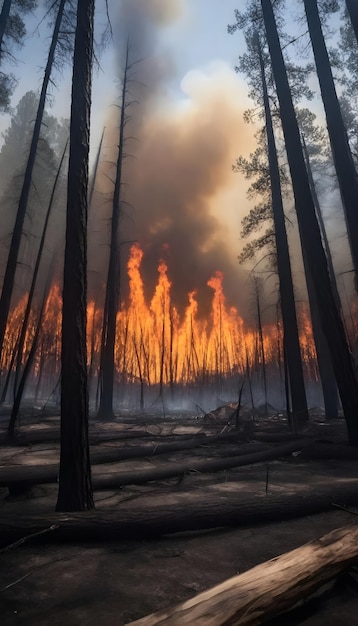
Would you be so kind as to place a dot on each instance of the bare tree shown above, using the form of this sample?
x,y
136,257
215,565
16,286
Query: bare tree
x,y
75,488
287,297
9,277
30,297
107,367
342,156
310,234
352,7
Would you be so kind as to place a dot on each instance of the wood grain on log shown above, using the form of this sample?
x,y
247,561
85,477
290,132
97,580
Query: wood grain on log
x,y
266,590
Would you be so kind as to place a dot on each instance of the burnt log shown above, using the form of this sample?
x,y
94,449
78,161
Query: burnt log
x,y
194,510
267,590
25,436
327,450
147,450
24,475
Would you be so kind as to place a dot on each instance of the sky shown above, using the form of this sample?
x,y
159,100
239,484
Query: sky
x,y
195,39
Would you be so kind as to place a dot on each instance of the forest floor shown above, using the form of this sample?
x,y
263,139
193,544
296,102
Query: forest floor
x,y
111,583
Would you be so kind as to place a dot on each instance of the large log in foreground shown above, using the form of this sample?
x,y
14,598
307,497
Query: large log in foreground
x,y
22,476
266,590
189,511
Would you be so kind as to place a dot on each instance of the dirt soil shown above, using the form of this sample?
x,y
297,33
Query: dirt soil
x,y
113,583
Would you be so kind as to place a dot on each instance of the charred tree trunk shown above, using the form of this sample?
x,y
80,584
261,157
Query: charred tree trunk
x,y
75,489
322,225
37,475
187,514
112,289
261,340
4,16
324,361
342,156
9,372
34,276
326,373
19,390
9,277
288,308
352,8
95,169
330,318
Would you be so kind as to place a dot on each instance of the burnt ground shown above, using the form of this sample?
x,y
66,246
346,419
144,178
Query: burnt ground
x,y
112,583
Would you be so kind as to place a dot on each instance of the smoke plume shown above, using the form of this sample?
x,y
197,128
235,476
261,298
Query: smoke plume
x,y
179,187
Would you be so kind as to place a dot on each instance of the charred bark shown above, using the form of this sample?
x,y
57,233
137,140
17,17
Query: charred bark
x,y
19,390
112,290
30,297
326,372
353,14
330,318
75,489
187,514
288,308
342,156
37,475
4,16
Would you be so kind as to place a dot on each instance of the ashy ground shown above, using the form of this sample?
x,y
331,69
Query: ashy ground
x,y
110,583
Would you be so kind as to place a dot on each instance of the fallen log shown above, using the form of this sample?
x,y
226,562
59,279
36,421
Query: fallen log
x,y
267,590
319,450
194,510
276,437
20,477
147,450
139,477
53,434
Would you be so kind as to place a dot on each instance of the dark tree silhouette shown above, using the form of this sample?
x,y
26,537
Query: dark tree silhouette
x,y
326,373
342,156
20,388
4,16
287,297
310,234
10,270
75,488
20,347
12,33
352,8
107,367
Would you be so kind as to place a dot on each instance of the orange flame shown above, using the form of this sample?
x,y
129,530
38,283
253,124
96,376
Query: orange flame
x,y
153,343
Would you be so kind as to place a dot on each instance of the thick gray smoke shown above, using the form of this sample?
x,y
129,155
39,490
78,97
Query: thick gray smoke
x,y
183,155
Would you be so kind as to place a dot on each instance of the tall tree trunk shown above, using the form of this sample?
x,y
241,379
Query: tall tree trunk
x,y
75,488
331,321
112,289
10,270
288,308
324,362
352,7
4,16
95,169
35,274
19,390
326,373
342,156
322,226
261,340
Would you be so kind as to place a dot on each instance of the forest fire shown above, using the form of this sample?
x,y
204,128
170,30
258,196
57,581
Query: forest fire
x,y
154,344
